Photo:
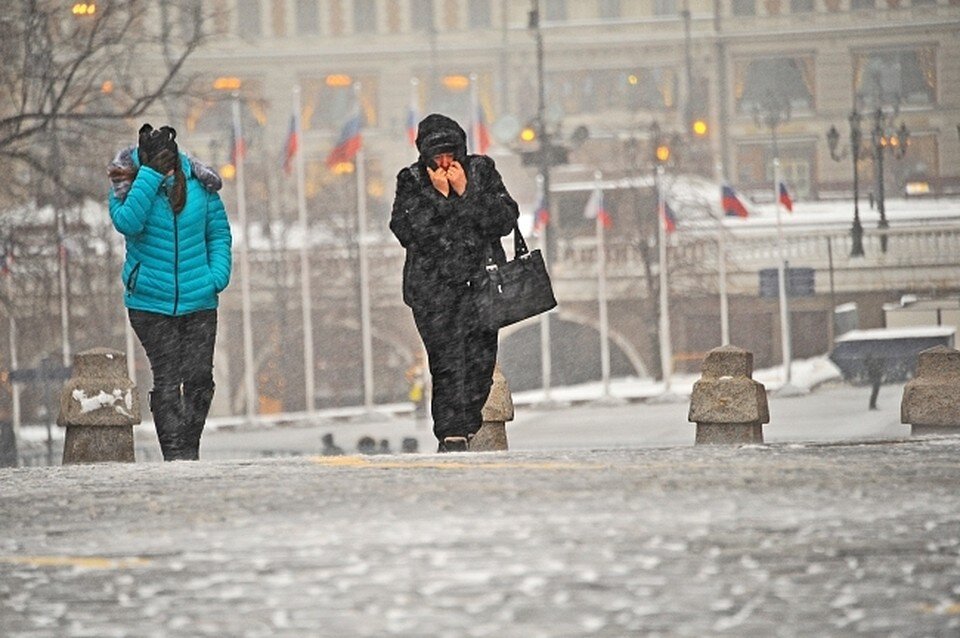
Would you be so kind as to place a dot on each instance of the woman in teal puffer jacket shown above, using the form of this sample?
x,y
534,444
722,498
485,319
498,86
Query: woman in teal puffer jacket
x,y
178,260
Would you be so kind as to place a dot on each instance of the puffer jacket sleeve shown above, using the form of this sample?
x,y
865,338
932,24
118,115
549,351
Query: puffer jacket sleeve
x,y
416,217
219,241
129,216
492,210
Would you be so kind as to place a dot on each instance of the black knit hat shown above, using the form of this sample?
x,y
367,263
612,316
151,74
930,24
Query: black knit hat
x,y
439,134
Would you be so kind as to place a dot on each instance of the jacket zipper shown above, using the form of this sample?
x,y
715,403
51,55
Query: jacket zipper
x,y
132,278
176,264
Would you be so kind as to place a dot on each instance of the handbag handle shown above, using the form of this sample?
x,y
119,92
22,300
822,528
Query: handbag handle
x,y
520,250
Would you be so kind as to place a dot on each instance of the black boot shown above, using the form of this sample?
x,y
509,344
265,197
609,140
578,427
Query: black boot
x,y
196,406
167,409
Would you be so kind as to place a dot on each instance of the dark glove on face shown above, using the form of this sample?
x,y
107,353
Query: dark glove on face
x,y
158,148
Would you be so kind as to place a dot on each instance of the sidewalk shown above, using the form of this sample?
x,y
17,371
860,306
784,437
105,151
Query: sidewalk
x,y
785,540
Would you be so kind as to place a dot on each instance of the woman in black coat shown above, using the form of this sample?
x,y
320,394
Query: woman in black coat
x,y
449,211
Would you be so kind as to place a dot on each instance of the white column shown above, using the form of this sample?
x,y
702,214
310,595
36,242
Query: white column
x,y
602,292
722,274
666,354
64,291
365,329
250,387
14,363
306,298
474,135
781,279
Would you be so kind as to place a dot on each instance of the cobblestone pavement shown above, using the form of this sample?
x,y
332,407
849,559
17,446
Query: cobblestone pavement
x,y
780,540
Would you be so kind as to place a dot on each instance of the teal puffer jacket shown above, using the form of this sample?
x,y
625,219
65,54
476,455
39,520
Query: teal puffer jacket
x,y
175,264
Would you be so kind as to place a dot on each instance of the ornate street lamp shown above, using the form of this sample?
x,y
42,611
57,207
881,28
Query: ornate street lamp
x,y
857,153
896,142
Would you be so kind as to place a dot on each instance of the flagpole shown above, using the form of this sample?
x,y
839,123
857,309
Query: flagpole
x,y
306,297
248,371
666,356
474,109
365,329
722,274
602,291
781,278
14,363
64,292
546,362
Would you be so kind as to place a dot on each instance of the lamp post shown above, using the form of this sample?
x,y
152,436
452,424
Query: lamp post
x,y
661,155
772,112
856,152
549,240
882,140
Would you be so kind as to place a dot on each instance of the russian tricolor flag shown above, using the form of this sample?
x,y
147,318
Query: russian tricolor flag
x,y
412,118
290,149
732,206
785,197
669,219
481,134
595,210
349,142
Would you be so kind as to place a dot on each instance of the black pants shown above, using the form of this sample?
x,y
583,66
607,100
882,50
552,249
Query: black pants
x,y
461,355
180,350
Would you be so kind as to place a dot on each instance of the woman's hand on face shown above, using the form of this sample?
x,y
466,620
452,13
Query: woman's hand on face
x,y
457,177
440,180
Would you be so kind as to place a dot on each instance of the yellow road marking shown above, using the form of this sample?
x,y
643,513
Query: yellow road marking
x,y
366,463
85,562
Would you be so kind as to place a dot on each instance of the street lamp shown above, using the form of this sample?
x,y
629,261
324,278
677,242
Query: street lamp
x,y
896,142
856,152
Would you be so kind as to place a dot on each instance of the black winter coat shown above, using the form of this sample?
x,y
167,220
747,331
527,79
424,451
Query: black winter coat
x,y
447,237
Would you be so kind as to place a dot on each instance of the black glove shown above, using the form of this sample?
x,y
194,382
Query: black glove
x,y
158,148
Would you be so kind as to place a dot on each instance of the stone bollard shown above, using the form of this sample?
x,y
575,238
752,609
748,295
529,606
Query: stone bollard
x,y
99,408
727,405
931,401
492,435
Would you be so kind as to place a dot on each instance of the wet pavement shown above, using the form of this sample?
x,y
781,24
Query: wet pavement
x,y
778,540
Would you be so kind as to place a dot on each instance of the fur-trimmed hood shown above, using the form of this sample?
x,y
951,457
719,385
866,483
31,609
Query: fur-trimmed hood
x,y
125,164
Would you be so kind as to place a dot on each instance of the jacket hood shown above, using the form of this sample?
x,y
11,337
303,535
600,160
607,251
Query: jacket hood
x,y
440,134
129,158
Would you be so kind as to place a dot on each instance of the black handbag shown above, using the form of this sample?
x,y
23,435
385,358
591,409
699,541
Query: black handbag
x,y
515,290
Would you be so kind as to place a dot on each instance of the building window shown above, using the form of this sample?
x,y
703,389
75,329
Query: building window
x,y
278,18
609,9
364,16
328,102
755,167
308,17
665,8
248,19
862,4
642,89
789,79
744,7
451,94
801,6
903,77
479,14
555,10
191,19
421,15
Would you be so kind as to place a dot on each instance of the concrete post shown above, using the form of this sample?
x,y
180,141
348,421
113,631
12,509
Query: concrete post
x,y
931,401
492,436
99,408
727,405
